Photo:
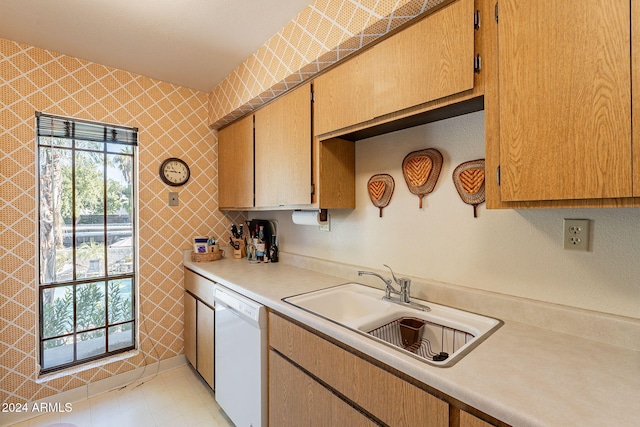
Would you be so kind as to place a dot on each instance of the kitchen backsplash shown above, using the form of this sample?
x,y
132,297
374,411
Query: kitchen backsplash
x,y
511,252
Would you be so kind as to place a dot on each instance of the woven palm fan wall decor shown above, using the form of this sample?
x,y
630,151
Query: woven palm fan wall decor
x,y
468,177
381,188
421,170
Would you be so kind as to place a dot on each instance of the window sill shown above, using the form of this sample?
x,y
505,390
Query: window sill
x,y
44,378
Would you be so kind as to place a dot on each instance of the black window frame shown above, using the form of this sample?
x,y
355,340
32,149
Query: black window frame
x,y
54,126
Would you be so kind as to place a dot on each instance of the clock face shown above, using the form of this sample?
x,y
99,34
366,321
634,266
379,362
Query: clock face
x,y
174,171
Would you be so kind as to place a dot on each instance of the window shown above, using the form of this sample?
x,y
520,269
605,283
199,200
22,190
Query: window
x,y
87,200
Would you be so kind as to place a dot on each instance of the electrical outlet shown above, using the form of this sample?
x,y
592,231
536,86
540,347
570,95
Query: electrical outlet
x,y
576,234
173,199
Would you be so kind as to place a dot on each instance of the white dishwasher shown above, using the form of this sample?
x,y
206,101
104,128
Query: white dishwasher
x,y
240,358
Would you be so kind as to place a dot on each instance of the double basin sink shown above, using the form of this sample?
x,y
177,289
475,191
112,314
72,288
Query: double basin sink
x,y
444,334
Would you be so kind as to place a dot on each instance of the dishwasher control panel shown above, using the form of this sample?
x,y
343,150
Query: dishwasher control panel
x,y
238,303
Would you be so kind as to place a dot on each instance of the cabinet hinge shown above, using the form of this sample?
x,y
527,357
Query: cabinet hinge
x,y
477,63
313,189
495,12
498,175
476,20
313,96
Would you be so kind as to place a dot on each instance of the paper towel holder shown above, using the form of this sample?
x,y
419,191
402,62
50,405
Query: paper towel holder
x,y
322,214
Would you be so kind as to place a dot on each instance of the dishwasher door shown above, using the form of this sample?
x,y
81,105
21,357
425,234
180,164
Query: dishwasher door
x,y
240,358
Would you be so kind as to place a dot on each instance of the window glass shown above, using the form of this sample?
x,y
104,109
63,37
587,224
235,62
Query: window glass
x,y
86,240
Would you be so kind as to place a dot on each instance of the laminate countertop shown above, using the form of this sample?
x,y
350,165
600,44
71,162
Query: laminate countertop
x,y
522,375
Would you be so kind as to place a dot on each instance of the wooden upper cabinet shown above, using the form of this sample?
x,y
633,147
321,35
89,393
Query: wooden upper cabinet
x,y
335,174
283,150
235,165
426,61
565,99
343,96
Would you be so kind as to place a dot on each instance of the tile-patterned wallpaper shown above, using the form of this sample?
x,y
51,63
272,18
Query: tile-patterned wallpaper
x,y
173,123
322,34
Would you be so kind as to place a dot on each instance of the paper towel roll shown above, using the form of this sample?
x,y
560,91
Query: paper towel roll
x,y
306,218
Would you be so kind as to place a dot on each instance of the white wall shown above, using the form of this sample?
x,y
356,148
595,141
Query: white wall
x,y
506,251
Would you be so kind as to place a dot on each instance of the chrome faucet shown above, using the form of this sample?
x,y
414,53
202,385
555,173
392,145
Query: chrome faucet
x,y
403,282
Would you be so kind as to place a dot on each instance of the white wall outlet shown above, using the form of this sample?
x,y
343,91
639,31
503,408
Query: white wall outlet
x,y
576,234
173,199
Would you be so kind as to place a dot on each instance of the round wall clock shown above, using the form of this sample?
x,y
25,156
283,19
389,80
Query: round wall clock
x,y
174,171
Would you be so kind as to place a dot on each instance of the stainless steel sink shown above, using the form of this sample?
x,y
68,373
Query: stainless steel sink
x,y
448,334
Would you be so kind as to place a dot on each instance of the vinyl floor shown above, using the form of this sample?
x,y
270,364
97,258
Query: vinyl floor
x,y
178,397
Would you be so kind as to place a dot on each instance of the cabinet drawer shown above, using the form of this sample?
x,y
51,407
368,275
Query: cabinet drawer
x,y
199,286
387,397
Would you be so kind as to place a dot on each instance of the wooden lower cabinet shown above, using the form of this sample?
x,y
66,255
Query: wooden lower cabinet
x,y
199,320
468,420
205,335
314,381
198,336
379,393
296,399
190,316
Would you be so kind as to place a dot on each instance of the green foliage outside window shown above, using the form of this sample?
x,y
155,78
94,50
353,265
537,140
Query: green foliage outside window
x,y
58,314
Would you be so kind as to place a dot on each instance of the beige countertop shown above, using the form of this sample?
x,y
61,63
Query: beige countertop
x,y
521,374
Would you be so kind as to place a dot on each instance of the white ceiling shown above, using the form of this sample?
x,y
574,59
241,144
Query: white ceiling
x,y
192,43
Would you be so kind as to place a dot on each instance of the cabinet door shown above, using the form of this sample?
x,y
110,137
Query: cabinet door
x,y
283,150
205,342
363,383
296,399
343,96
235,165
468,420
190,329
427,61
565,99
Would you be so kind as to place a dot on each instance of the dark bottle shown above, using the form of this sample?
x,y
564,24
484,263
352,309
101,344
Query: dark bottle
x,y
261,246
273,250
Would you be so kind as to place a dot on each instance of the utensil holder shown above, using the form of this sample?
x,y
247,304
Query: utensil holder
x,y
239,253
411,330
